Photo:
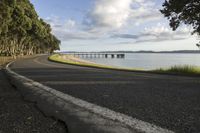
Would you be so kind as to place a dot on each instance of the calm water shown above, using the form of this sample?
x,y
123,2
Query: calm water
x,y
149,61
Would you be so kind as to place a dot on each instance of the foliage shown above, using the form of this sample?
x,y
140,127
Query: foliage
x,y
182,11
185,69
22,32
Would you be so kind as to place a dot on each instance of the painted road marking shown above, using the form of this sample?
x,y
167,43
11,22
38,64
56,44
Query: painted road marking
x,y
86,82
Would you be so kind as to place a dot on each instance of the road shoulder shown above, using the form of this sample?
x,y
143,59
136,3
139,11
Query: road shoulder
x,y
19,116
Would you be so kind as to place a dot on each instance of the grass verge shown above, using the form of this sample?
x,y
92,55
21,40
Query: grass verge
x,y
68,59
185,69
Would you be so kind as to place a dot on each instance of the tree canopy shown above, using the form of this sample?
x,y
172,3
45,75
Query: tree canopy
x,y
22,32
182,11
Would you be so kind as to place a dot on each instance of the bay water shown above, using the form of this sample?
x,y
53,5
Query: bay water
x,y
150,61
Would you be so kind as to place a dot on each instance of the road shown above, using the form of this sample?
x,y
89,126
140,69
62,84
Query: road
x,y
169,101
19,116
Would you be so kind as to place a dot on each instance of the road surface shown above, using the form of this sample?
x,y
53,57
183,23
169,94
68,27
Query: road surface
x,y
168,101
19,116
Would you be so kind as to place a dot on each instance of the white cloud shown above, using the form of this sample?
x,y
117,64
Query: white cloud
x,y
105,18
160,31
109,15
70,24
68,29
144,11
157,33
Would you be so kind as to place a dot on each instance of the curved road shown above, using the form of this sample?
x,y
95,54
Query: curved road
x,y
171,102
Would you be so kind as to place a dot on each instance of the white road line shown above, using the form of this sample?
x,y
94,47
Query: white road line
x,y
86,82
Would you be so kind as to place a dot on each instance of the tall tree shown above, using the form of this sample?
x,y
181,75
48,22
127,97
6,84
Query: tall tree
x,y
22,32
183,11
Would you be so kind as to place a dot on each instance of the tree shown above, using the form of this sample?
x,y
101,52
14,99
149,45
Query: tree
x,y
22,32
182,11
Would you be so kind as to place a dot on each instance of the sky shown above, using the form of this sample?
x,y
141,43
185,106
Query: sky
x,y
113,25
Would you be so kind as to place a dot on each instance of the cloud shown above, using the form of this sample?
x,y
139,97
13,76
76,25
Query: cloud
x,y
162,32
70,24
105,18
109,15
157,33
158,40
68,30
76,35
125,36
110,18
56,23
144,11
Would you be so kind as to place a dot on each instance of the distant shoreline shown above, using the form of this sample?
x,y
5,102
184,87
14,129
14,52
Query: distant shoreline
x,y
165,52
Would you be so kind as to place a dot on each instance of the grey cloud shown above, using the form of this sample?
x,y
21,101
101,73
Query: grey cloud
x,y
58,26
150,36
67,36
159,40
127,36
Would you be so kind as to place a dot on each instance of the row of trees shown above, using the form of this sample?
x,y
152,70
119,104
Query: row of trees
x,y
22,32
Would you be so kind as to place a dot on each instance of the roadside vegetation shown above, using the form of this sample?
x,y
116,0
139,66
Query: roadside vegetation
x,y
22,32
185,69
180,12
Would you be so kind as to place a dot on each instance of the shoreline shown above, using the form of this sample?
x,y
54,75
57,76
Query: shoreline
x,y
77,59
185,70
70,59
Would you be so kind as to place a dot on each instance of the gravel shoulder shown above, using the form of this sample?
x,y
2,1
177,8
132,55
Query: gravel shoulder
x,y
19,116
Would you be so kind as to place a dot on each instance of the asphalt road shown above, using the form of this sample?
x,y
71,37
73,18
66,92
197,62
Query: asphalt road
x,y
19,116
171,102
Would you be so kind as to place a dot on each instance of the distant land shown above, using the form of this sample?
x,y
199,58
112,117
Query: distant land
x,y
142,51
176,51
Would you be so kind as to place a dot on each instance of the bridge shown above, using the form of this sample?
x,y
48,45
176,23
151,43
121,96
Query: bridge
x,y
97,55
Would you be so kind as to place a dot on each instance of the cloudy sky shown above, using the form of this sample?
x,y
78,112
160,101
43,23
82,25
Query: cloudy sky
x,y
97,25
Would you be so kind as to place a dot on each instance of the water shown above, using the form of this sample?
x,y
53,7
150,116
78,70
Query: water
x,y
149,61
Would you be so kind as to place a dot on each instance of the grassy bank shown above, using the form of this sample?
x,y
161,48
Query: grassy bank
x,y
180,70
186,69
68,59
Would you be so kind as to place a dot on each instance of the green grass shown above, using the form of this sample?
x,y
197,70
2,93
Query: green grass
x,y
185,69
